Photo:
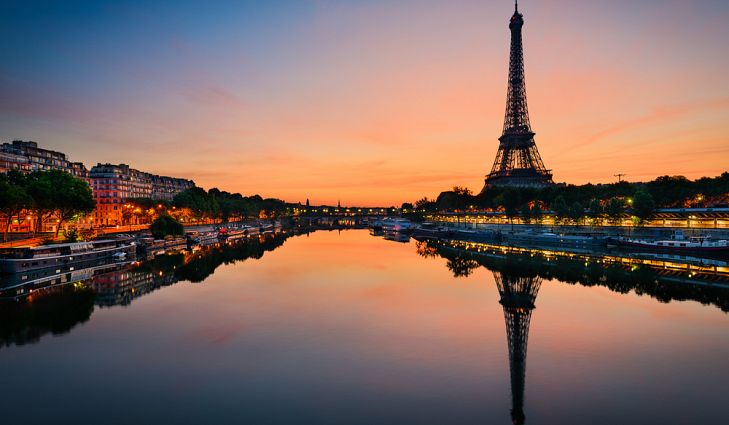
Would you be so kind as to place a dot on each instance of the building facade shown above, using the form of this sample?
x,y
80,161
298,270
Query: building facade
x,y
114,184
11,161
27,157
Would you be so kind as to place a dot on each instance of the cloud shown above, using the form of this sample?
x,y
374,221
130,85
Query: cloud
x,y
657,116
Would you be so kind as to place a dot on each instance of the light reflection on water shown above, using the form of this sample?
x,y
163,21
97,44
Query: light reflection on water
x,y
349,328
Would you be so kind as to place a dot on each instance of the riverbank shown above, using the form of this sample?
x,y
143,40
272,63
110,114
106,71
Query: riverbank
x,y
36,240
614,231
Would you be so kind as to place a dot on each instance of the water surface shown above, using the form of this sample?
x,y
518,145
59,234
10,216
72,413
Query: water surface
x,y
335,328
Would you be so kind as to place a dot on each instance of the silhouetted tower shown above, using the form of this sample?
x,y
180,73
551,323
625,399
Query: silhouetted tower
x,y
518,294
517,161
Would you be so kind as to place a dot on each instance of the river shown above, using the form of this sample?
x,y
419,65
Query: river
x,y
347,328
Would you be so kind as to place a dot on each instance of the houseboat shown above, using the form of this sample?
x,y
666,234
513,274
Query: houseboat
x,y
679,244
553,239
20,260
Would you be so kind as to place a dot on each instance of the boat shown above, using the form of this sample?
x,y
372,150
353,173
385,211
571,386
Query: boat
x,y
21,284
694,244
553,239
395,224
375,224
23,259
222,233
433,230
266,227
474,235
250,230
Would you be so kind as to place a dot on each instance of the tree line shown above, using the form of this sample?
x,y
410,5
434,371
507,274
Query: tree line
x,y
581,203
215,204
42,195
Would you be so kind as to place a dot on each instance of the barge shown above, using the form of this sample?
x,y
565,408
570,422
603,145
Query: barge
x,y
25,259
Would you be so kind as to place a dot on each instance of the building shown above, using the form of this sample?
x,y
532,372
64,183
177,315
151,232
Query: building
x,y
114,184
165,188
11,161
27,157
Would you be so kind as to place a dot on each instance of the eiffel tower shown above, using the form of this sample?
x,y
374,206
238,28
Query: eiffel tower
x,y
518,294
517,161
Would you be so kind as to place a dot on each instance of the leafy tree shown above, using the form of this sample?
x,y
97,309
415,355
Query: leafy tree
x,y
526,214
166,225
71,197
13,197
40,188
537,213
595,209
643,205
614,210
407,206
510,200
576,212
424,204
71,235
462,191
560,208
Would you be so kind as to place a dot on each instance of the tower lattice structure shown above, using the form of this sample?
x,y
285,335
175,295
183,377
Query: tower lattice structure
x,y
517,162
518,294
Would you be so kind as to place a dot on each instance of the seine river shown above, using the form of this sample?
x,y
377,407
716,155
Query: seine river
x,y
349,328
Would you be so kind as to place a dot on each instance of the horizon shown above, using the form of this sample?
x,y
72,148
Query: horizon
x,y
371,103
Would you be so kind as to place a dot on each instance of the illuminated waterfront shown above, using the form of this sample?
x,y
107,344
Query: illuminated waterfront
x,y
344,327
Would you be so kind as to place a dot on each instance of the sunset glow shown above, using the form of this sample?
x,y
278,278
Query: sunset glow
x,y
367,102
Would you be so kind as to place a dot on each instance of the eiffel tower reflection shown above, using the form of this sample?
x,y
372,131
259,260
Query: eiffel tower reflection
x,y
518,293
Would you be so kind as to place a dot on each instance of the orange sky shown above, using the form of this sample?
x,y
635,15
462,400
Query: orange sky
x,y
373,103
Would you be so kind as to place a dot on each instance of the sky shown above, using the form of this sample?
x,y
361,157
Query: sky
x,y
369,102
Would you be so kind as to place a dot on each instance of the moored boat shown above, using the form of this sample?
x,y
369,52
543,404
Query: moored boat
x,y
18,260
395,224
695,244
553,239
433,230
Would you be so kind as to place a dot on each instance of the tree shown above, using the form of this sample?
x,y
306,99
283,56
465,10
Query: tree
x,y
424,204
537,213
576,212
510,199
462,191
13,198
71,197
614,210
595,209
40,188
407,206
166,225
526,214
560,208
643,205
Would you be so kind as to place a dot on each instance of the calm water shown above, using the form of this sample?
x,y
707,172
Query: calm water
x,y
347,328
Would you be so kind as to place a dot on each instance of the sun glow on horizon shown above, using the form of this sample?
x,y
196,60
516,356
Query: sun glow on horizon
x,y
373,103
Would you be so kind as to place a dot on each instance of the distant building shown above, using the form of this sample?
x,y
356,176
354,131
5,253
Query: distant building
x,y
114,184
165,188
27,157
